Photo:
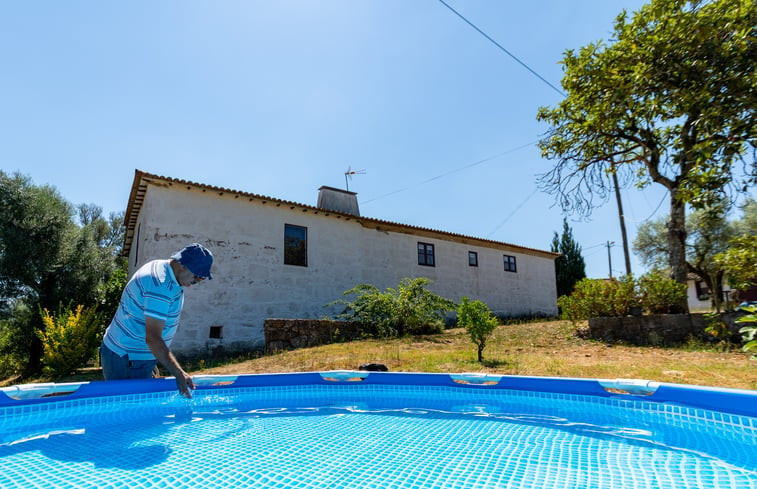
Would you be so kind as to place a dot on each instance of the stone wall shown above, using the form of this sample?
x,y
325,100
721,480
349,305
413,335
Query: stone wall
x,y
288,334
658,330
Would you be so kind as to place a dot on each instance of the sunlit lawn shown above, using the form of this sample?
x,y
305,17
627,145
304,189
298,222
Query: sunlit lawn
x,y
541,349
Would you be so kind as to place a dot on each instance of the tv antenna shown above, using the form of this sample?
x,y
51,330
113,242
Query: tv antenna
x,y
348,175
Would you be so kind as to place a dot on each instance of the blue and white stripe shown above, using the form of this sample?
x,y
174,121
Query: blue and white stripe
x,y
153,291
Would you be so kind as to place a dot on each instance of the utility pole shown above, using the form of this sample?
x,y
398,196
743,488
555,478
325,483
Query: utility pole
x,y
609,258
626,254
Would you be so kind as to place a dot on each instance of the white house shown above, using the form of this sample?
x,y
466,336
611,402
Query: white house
x,y
700,297
280,259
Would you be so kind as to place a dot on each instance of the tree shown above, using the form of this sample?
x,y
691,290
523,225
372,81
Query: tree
x,y
740,262
672,100
478,321
740,259
708,234
47,260
569,266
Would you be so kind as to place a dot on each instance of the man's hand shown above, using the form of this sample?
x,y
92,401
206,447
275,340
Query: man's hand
x,y
184,383
154,339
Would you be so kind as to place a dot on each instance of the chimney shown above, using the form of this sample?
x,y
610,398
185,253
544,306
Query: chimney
x,y
335,199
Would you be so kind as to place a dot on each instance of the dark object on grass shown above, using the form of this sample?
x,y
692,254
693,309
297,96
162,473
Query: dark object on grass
x,y
374,367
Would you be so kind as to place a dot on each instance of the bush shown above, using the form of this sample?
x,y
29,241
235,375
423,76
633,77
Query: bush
x,y
608,298
478,320
749,333
660,293
70,339
410,309
599,298
16,334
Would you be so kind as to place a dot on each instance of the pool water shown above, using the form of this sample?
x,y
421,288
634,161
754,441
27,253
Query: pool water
x,y
373,436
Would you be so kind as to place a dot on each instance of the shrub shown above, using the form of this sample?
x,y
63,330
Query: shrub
x,y
717,329
478,320
16,335
70,339
660,293
749,333
599,298
410,309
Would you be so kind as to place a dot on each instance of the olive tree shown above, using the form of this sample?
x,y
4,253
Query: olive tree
x,y
47,259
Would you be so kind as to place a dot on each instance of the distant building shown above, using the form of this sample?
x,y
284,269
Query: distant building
x,y
280,259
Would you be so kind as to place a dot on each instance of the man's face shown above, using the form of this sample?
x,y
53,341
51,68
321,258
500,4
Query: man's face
x,y
186,278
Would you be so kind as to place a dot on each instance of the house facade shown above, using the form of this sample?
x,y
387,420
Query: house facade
x,y
281,259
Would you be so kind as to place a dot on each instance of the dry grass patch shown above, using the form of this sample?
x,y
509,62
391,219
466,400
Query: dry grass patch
x,y
552,348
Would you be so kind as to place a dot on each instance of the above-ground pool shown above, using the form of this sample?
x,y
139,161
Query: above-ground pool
x,y
378,430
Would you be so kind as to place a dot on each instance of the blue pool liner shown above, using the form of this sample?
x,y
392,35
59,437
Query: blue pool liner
x,y
733,401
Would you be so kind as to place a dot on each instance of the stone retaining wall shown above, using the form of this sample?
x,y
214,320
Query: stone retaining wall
x,y
658,330
288,334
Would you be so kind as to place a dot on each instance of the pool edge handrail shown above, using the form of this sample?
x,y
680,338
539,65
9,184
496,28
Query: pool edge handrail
x,y
724,400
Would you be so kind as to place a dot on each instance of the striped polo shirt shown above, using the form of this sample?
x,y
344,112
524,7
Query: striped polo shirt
x,y
152,291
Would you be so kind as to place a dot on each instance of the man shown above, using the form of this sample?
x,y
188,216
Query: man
x,y
147,318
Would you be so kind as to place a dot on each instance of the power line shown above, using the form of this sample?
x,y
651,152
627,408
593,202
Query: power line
x,y
502,48
517,208
470,165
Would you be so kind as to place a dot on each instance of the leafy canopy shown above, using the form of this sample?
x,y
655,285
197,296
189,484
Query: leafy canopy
x,y
672,100
48,259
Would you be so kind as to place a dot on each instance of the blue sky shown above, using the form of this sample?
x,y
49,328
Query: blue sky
x,y
281,97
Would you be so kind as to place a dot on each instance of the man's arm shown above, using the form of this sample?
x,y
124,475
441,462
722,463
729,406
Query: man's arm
x,y
154,339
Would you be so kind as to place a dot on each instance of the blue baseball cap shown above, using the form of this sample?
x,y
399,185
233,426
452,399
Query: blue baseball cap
x,y
196,258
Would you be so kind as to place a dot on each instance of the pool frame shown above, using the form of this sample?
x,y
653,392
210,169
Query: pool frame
x,y
724,400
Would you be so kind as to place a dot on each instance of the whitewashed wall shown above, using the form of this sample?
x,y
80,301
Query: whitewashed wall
x,y
695,304
251,282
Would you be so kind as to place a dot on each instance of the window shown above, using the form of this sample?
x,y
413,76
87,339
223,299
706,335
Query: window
x,y
472,258
703,293
216,332
509,263
426,254
295,245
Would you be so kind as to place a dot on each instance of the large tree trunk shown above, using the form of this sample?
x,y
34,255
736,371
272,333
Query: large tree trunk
x,y
677,244
717,291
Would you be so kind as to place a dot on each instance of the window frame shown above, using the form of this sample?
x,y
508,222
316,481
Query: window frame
x,y
509,263
294,257
423,256
474,255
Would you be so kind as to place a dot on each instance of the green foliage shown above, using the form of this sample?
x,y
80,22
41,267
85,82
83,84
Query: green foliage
x,y
671,101
660,293
707,236
570,266
70,339
478,321
410,309
47,259
113,288
16,336
717,329
599,298
740,261
749,333
607,298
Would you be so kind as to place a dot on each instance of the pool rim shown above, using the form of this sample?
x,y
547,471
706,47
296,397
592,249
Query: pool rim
x,y
725,400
